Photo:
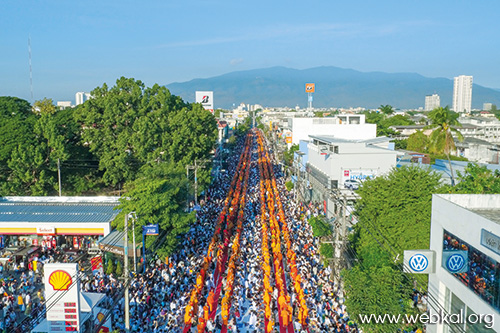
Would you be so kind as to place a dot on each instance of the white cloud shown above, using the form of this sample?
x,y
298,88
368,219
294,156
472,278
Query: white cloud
x,y
236,61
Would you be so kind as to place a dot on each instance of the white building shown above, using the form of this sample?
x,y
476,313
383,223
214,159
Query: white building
x,y
347,126
81,97
465,237
487,106
483,128
63,104
432,101
462,94
332,161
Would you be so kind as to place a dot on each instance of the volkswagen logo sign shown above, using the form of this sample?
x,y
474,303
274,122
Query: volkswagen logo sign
x,y
455,263
418,262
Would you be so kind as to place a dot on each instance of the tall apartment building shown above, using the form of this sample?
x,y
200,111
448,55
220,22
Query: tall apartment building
x,y
462,94
432,101
81,97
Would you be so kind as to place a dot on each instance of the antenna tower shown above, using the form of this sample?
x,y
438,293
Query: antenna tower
x,y
31,72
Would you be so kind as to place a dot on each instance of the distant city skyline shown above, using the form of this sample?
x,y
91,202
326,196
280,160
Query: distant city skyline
x,y
78,46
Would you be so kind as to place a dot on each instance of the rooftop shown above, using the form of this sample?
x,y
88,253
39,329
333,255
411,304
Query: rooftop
x,y
485,205
332,139
58,209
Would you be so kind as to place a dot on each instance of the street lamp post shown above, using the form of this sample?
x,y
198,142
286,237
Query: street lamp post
x,y
125,260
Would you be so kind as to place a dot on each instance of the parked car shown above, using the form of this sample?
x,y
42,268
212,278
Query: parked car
x,y
351,184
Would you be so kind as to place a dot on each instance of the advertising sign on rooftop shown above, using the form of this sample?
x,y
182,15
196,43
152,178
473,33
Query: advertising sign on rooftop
x,y
206,98
310,87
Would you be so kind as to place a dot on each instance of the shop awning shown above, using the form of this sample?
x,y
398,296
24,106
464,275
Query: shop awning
x,y
114,243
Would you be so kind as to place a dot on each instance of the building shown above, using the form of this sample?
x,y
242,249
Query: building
x,y
462,94
63,104
346,126
487,106
483,128
81,97
69,221
465,239
431,102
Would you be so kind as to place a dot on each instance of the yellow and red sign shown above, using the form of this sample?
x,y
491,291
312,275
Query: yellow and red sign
x,y
60,280
310,87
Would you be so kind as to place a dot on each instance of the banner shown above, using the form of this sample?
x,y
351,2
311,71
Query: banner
x,y
96,263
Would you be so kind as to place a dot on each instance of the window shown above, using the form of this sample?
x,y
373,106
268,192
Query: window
x,y
483,275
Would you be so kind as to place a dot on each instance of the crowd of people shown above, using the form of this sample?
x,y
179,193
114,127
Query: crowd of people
x,y
21,290
158,299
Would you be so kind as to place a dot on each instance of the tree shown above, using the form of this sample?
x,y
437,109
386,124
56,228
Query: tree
x,y
119,269
320,227
397,206
384,122
441,139
394,214
386,109
33,162
289,154
418,141
16,127
129,126
158,197
110,267
478,180
375,286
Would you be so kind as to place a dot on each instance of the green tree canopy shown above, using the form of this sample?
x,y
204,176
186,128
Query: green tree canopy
x,y
443,123
398,206
418,141
394,214
16,125
386,109
130,125
478,180
158,195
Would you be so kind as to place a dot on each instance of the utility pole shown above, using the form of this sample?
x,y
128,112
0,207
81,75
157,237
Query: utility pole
x,y
195,167
125,260
195,184
133,241
59,174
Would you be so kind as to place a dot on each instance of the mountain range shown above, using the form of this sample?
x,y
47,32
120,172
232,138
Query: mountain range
x,y
335,87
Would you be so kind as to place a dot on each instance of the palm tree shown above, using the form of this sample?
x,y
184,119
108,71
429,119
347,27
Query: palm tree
x,y
443,123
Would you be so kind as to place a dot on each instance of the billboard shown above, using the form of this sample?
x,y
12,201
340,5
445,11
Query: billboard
x,y
310,87
206,98
62,288
358,174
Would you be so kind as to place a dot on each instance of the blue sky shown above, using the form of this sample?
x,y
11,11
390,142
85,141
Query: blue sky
x,y
79,45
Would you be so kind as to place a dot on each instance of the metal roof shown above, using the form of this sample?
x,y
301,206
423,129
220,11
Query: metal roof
x,y
333,139
58,209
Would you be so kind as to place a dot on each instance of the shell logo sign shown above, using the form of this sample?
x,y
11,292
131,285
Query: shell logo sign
x,y
60,280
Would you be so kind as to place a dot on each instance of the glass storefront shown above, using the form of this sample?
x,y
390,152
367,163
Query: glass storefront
x,y
483,273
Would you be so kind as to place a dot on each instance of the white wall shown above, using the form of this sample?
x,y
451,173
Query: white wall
x,y
303,127
352,156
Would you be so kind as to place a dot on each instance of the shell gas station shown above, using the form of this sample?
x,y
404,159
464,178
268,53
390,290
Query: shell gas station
x,y
28,224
